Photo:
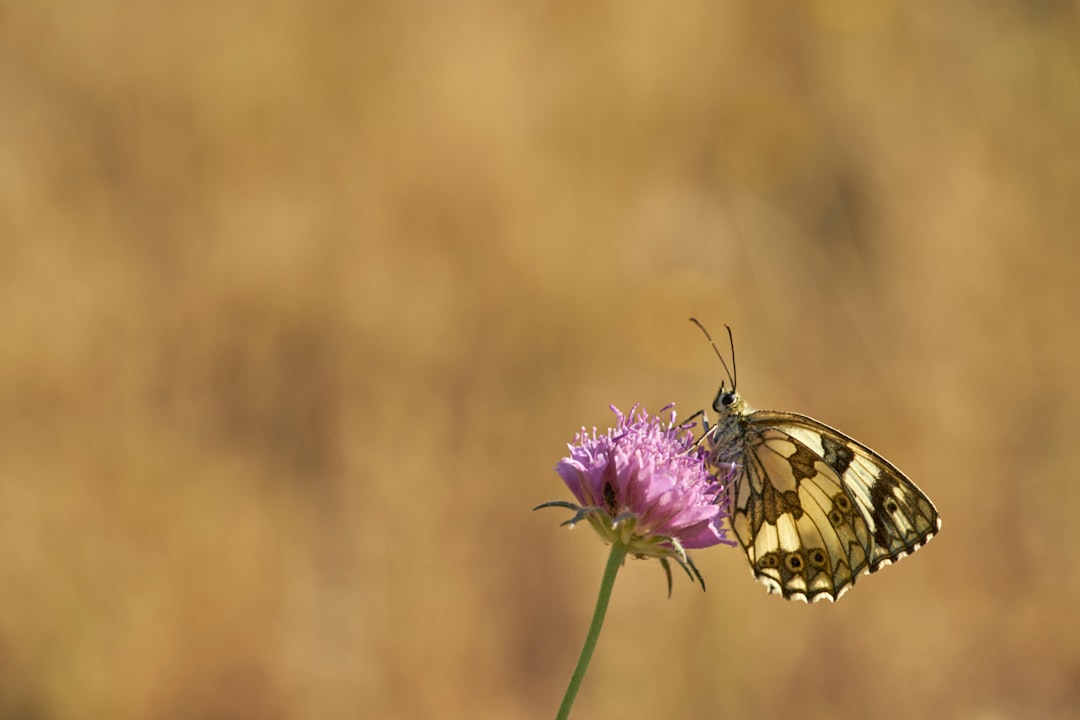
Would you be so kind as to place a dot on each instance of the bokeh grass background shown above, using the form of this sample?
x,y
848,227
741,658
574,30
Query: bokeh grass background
x,y
300,302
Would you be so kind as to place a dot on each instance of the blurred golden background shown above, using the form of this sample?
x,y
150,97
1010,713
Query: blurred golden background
x,y
301,302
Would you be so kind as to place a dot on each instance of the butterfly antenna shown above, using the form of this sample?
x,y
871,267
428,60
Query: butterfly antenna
x,y
717,350
734,370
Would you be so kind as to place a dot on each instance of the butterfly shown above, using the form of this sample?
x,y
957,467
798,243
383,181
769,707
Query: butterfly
x,y
812,508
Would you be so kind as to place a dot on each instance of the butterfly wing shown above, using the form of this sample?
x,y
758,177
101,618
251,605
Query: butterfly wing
x,y
814,509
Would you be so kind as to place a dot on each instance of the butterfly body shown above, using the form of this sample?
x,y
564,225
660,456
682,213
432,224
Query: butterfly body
x,y
812,508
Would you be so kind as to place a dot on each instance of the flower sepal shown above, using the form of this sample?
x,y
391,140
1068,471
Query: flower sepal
x,y
623,530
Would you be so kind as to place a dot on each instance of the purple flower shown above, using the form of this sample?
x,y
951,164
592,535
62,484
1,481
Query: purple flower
x,y
645,485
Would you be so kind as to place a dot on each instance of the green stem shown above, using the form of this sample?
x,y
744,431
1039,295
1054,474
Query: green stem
x,y
615,559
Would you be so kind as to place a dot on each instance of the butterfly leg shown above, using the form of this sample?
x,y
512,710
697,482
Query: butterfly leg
x,y
706,428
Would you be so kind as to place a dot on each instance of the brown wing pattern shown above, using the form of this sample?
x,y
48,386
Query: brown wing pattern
x,y
814,509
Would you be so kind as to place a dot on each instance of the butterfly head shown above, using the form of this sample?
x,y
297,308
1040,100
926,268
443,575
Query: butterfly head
x,y
728,402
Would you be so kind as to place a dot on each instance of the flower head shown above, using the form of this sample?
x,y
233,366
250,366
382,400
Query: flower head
x,y
645,485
